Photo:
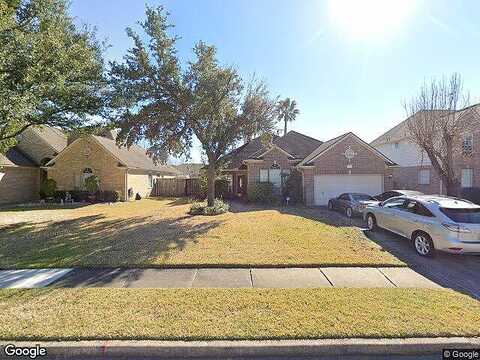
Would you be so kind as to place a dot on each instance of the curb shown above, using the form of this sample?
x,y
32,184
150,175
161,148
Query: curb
x,y
229,349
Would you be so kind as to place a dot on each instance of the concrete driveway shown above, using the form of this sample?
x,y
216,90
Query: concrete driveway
x,y
458,272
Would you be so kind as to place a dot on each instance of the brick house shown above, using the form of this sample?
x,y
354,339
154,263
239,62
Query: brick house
x,y
415,171
43,152
345,163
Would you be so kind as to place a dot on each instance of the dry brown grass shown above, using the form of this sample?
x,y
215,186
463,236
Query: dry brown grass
x,y
55,314
159,232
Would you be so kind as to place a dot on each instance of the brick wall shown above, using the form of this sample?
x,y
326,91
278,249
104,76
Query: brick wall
x,y
68,168
334,162
19,184
138,181
273,156
406,178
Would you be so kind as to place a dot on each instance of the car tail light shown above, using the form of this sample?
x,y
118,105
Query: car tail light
x,y
456,228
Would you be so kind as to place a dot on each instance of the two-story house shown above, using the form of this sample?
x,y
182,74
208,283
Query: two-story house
x,y
414,169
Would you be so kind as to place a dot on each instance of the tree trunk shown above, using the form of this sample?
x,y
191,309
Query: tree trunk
x,y
211,182
285,129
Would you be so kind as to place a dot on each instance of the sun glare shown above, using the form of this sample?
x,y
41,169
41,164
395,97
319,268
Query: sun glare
x,y
367,19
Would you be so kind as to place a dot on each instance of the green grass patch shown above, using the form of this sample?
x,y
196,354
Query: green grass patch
x,y
161,233
194,314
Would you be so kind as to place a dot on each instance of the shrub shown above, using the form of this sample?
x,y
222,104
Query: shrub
x,y
472,194
47,189
100,196
107,196
293,187
221,188
59,195
197,208
92,184
113,196
262,193
201,208
79,195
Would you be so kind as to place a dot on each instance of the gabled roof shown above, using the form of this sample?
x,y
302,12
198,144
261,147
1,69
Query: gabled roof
x,y
235,158
294,144
134,157
327,145
14,158
322,148
56,138
400,131
191,170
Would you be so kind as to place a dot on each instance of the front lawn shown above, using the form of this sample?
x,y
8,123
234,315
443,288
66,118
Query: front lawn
x,y
194,314
159,232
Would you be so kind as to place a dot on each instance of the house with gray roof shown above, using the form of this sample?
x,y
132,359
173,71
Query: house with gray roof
x,y
345,163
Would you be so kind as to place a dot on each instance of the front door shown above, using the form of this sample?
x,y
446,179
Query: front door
x,y
241,185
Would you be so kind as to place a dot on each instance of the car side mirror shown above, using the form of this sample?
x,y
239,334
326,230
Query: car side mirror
x,y
380,204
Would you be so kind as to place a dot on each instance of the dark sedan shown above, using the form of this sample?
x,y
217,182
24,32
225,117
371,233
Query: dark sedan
x,y
351,203
394,193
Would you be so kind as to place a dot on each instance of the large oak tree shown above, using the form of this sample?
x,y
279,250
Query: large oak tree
x,y
157,100
51,72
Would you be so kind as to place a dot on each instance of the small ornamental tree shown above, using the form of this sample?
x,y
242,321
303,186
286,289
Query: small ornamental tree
x,y
155,100
92,184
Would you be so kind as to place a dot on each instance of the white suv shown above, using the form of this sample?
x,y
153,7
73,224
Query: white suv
x,y
432,222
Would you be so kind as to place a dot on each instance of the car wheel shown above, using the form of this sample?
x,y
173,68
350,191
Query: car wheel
x,y
330,206
349,212
423,244
371,222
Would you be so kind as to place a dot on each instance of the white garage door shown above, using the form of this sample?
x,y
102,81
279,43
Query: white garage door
x,y
330,186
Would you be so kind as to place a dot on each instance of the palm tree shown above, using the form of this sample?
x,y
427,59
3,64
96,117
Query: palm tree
x,y
287,111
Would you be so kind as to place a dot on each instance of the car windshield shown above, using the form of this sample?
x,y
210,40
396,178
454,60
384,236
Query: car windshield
x,y
361,197
468,216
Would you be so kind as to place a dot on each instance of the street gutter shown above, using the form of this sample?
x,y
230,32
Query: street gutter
x,y
229,349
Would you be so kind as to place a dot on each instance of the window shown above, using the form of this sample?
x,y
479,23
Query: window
x,y
397,145
273,176
344,197
468,144
417,208
394,203
467,216
263,175
467,178
424,177
150,180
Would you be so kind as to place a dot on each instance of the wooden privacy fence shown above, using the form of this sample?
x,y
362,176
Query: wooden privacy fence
x,y
176,187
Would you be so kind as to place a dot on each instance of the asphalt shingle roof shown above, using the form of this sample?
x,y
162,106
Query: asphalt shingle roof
x,y
134,157
14,157
55,137
294,143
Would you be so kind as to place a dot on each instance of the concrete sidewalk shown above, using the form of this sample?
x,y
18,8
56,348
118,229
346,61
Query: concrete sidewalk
x,y
240,278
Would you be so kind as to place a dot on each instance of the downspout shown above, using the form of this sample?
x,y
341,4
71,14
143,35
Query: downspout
x,y
125,192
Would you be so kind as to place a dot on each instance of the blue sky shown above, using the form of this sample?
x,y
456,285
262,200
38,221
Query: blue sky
x,y
348,66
